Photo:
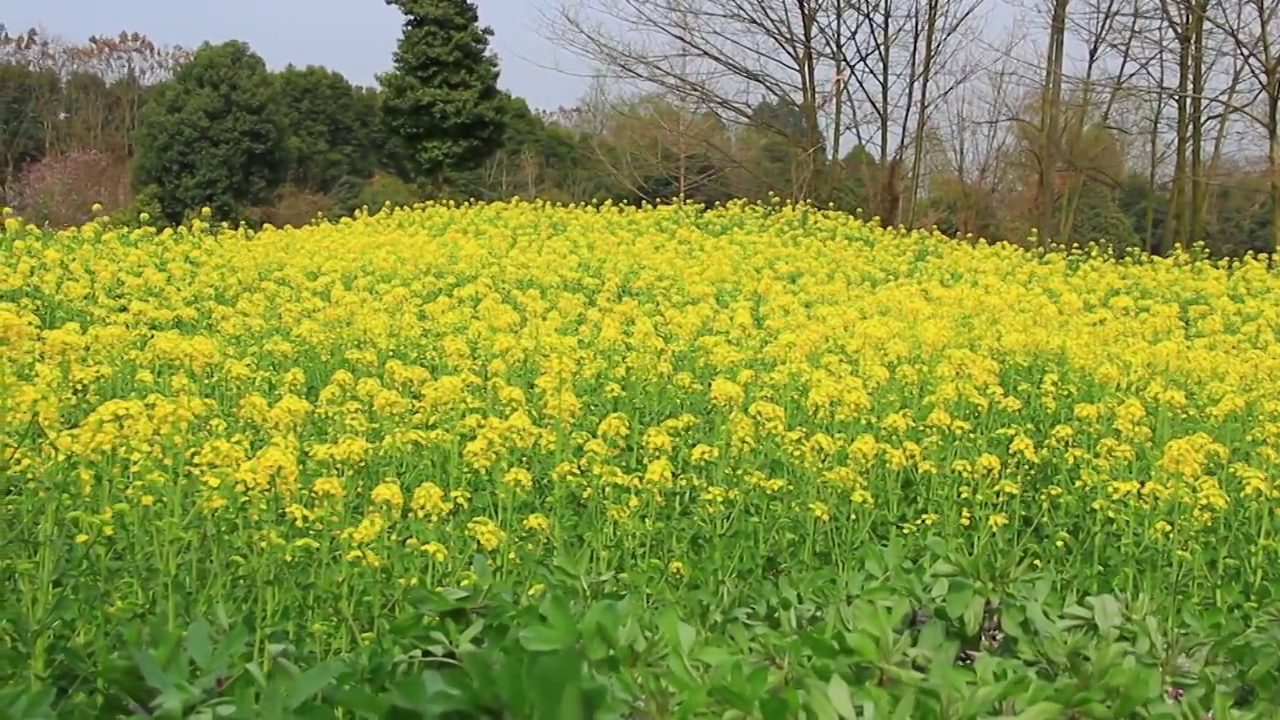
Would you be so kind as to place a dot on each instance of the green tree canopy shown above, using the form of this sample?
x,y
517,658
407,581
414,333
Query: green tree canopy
x,y
212,135
329,127
22,136
441,103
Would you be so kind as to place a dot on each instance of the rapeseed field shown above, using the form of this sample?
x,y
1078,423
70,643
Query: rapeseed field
x,y
690,448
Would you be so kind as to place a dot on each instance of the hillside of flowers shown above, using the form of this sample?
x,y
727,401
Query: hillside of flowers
x,y
525,460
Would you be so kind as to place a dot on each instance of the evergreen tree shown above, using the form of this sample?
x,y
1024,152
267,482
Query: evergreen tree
x,y
212,136
441,104
329,128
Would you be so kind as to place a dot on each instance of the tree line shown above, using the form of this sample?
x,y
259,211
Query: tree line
x,y
1143,123
1148,123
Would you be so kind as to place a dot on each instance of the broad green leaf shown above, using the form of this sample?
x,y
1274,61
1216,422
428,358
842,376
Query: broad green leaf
x,y
841,699
1041,711
482,569
311,683
1107,612
199,644
820,701
679,635
863,646
973,614
556,609
359,700
775,707
544,638
906,707
959,597
571,704
944,569
151,671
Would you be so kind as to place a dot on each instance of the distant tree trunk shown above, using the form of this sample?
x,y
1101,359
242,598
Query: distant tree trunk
x,y
1195,213
811,160
1106,17
1176,227
926,74
1051,122
1151,240
1220,137
1252,26
726,56
889,166
1273,162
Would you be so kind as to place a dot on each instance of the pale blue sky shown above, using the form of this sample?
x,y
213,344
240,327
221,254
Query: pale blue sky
x,y
354,37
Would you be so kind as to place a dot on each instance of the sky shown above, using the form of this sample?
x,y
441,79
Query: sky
x,y
354,37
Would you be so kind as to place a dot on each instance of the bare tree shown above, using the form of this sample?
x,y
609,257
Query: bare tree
x,y
975,132
944,21
91,94
1051,120
896,63
874,45
656,149
1102,28
726,56
1253,29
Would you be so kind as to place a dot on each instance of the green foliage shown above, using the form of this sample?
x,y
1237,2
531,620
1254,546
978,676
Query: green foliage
x,y
1099,217
329,128
143,211
21,134
894,636
854,180
1241,220
212,136
442,109
373,194
782,132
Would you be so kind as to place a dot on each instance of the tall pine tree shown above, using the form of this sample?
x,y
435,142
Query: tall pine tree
x,y
441,104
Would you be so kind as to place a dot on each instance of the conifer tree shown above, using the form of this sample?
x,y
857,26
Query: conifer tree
x,y
441,104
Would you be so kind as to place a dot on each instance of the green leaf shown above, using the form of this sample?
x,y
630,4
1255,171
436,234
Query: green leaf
x,y
601,621
556,609
311,683
1041,711
958,599
906,706
151,671
841,699
544,638
428,693
775,707
687,634
981,699
470,633
820,701
199,644
1107,612
870,619
271,705
1040,621
863,646
973,614
359,701
944,569
1221,705
571,704
1263,665
553,675
679,635
483,571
